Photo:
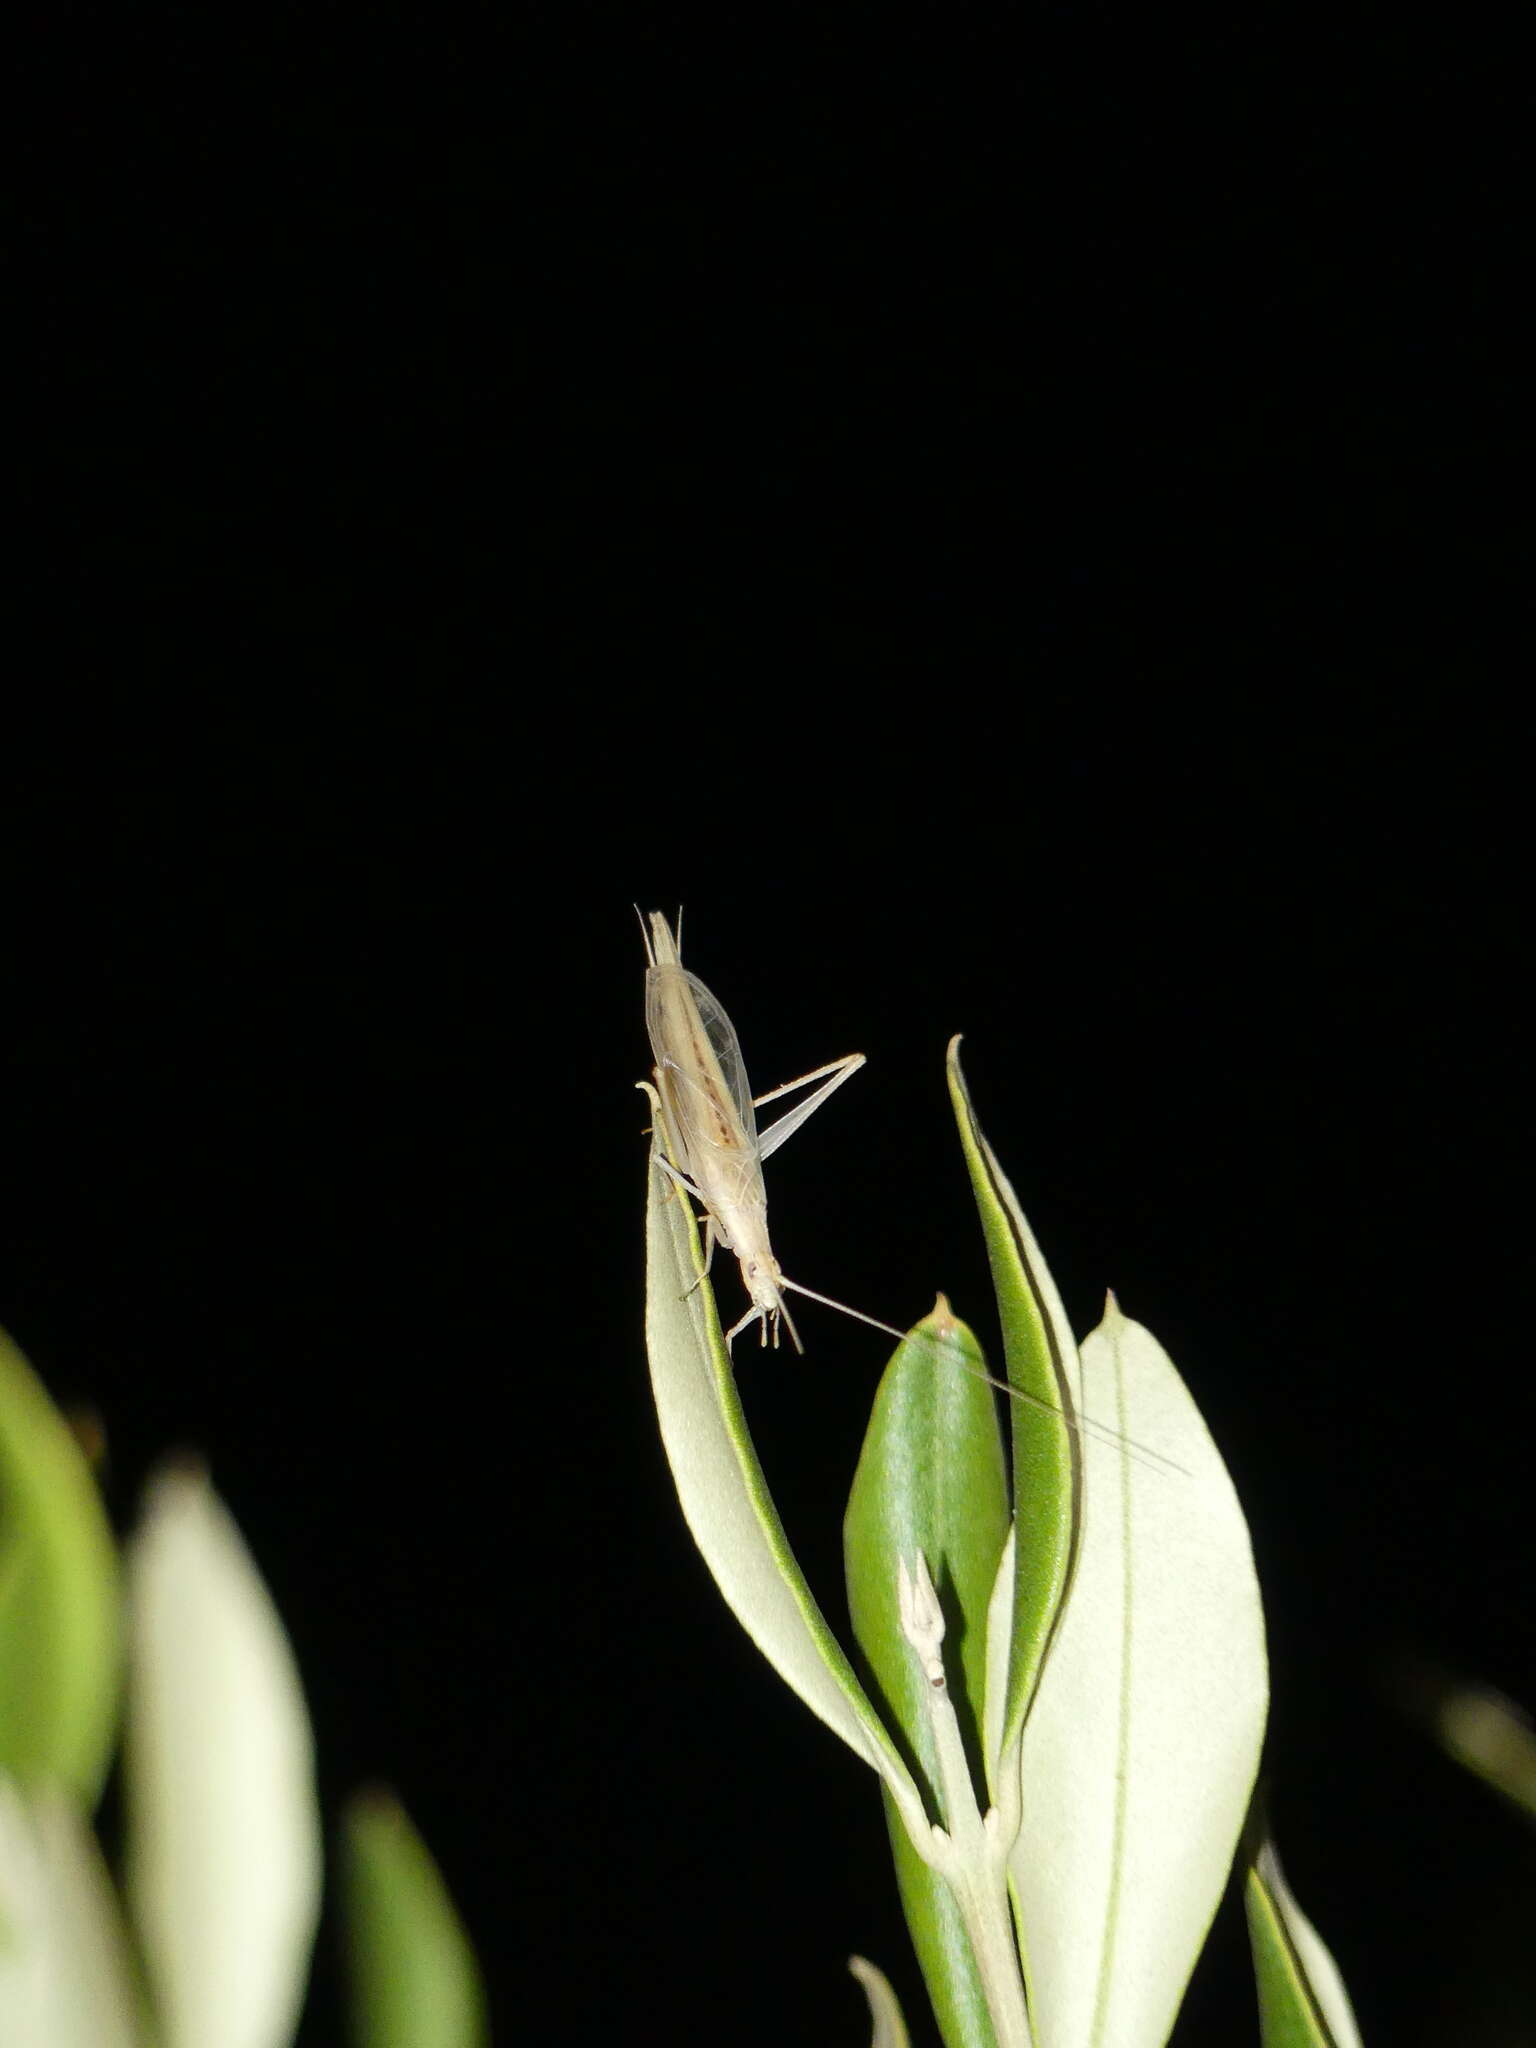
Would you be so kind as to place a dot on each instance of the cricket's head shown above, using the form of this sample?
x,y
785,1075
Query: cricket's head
x,y
765,1283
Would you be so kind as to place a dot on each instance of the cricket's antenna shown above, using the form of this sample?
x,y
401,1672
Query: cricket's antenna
x,y
1085,1424
650,955
858,1314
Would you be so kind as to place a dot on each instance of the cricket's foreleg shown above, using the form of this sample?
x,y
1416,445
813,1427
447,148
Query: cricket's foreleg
x,y
753,1315
681,1182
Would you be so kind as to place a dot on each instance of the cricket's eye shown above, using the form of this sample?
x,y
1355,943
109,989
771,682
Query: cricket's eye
x,y
751,1269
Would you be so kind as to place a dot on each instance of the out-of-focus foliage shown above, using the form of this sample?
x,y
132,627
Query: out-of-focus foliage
x,y
223,1830
415,1983
59,1603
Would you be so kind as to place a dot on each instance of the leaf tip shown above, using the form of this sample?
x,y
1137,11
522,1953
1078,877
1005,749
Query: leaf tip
x,y
1114,1318
885,2013
177,1486
941,1319
89,1430
375,1806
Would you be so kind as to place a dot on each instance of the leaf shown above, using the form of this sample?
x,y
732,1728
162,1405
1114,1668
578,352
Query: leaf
x,y
890,2029
59,1628
999,1647
930,1478
415,1982
1302,2000
1477,1727
1042,1365
725,1498
223,1832
65,1976
1141,1748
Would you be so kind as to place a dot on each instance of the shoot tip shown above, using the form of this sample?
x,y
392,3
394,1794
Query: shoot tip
x,y
941,1318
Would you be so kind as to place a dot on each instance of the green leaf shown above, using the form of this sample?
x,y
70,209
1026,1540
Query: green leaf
x,y
724,1495
415,1983
890,2029
1302,2000
930,1479
223,1830
66,1980
1141,1748
1042,1366
59,1626
1477,1727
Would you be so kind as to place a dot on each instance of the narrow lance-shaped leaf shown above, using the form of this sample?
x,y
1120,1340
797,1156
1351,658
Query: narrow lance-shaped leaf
x,y
999,1651
724,1496
59,1630
1302,2000
930,1479
223,1838
1043,1367
1141,1747
414,1979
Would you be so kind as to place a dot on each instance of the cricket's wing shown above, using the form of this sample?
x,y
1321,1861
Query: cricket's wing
x,y
699,1069
660,945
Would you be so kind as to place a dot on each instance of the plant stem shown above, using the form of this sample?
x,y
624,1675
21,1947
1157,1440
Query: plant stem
x,y
972,1851
983,1899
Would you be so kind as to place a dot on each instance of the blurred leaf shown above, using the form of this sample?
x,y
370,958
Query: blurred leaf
x,y
890,2029
414,1979
223,1834
1489,1735
1042,1365
724,1495
930,1479
65,1976
59,1626
1302,2000
1480,1729
1141,1746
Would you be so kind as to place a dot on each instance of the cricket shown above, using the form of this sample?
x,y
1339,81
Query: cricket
x,y
712,1128
708,1114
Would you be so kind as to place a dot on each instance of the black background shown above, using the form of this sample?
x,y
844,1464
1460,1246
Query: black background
x,y
1010,519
